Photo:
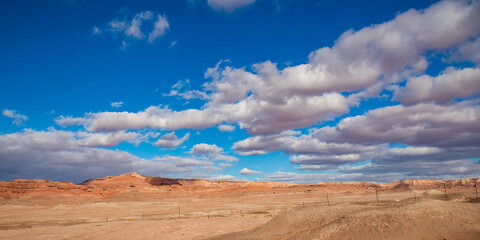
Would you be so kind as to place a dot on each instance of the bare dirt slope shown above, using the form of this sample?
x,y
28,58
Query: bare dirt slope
x,y
134,206
429,219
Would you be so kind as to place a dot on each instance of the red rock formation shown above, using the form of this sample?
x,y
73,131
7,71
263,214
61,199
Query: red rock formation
x,y
134,182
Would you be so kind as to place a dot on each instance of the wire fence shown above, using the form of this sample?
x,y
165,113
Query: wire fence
x,y
322,199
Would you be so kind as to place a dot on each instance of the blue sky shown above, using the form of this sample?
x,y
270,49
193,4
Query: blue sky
x,y
278,90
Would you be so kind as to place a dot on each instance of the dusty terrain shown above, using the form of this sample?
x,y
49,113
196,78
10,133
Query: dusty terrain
x,y
133,206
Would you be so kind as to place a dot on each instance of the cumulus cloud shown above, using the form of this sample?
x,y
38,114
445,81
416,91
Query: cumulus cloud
x,y
360,65
435,125
422,124
116,104
432,138
450,84
385,172
469,51
18,118
205,149
224,165
69,121
256,116
228,5
226,128
141,25
107,139
221,157
292,142
246,171
212,152
60,155
170,140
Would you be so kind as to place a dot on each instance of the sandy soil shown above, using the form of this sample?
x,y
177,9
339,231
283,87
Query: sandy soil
x,y
432,219
160,229
255,212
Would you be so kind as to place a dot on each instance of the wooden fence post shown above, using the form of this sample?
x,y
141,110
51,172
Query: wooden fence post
x,y
376,194
328,201
445,188
476,192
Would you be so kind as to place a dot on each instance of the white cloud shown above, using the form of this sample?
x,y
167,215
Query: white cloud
x,y
256,116
271,100
18,118
140,26
468,51
170,140
426,123
205,149
326,159
107,139
214,152
116,26
413,170
436,126
182,161
96,31
160,27
224,165
60,155
221,157
116,104
436,138
69,121
228,5
385,172
186,94
226,128
450,84
297,177
133,29
225,178
415,151
291,143
246,171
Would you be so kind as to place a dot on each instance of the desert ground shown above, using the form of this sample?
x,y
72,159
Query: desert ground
x,y
134,206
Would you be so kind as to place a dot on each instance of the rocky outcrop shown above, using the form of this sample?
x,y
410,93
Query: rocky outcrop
x,y
39,187
134,182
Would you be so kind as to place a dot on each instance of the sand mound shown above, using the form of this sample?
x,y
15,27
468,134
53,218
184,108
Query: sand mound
x,y
431,219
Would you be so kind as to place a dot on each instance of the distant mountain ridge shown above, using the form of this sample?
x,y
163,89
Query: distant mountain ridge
x,y
112,185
